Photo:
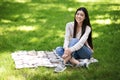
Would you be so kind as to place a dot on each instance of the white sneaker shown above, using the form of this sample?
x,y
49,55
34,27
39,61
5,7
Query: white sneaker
x,y
93,60
83,64
60,67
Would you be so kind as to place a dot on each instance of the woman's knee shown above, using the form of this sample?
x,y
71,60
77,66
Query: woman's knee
x,y
59,50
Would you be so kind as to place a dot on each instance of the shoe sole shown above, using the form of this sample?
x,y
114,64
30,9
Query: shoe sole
x,y
60,71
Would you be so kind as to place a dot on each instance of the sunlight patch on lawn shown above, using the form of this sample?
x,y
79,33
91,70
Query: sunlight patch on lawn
x,y
115,1
37,6
102,21
2,31
6,21
31,20
43,20
34,39
26,15
60,33
22,1
42,6
85,0
114,7
118,21
17,28
102,17
26,28
20,28
95,35
71,9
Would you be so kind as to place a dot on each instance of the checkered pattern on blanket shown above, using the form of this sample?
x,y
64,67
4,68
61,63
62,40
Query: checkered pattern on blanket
x,y
31,59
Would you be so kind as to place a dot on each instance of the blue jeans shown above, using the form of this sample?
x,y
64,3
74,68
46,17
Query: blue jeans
x,y
83,53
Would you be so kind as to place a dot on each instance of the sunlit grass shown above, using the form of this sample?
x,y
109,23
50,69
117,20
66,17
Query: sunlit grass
x,y
103,21
85,1
26,28
40,25
19,1
95,35
5,21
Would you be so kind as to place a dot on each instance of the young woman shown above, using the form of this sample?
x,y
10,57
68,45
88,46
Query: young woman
x,y
78,40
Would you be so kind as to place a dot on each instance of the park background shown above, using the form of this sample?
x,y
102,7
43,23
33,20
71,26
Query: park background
x,y
40,25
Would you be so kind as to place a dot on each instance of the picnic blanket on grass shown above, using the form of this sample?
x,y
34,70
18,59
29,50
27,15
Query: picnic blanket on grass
x,y
32,59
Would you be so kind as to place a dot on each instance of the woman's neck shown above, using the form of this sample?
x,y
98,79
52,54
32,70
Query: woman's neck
x,y
79,25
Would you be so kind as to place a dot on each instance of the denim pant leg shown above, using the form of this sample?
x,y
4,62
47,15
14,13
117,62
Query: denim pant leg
x,y
60,51
83,53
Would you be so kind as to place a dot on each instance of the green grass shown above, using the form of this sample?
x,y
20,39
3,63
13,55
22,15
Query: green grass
x,y
40,25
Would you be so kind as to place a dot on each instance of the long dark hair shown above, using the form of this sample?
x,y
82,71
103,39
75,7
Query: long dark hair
x,y
86,23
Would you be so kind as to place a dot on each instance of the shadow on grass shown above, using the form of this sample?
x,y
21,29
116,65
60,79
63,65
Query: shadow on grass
x,y
17,18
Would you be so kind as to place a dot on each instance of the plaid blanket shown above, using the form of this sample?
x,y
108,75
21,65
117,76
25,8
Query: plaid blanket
x,y
32,59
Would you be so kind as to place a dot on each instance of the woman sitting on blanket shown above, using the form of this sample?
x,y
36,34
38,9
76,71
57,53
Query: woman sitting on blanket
x,y
78,40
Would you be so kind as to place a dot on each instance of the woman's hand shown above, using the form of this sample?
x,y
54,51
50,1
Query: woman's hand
x,y
67,52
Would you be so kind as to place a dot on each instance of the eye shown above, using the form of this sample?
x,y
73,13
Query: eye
x,y
82,14
77,13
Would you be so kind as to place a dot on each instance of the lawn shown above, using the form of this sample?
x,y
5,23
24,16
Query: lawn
x,y
40,25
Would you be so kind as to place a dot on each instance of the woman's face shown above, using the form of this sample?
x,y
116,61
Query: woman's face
x,y
80,16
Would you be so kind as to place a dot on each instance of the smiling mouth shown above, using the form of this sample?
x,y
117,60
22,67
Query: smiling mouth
x,y
78,19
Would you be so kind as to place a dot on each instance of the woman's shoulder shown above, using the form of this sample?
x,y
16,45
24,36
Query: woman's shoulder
x,y
69,24
88,28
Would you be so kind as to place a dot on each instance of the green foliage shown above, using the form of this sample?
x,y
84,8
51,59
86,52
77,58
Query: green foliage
x,y
40,25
